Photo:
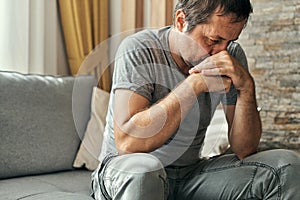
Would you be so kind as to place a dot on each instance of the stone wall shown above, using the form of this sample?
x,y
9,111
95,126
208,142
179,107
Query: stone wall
x,y
271,41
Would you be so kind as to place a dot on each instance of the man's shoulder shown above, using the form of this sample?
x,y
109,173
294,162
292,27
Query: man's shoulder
x,y
233,46
237,51
148,33
145,38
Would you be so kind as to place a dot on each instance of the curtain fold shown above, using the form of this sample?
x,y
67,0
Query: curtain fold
x,y
85,26
162,14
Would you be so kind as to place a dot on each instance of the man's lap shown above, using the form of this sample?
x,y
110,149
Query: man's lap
x,y
261,175
264,175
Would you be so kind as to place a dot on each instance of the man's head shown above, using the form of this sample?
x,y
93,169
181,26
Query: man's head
x,y
199,11
206,27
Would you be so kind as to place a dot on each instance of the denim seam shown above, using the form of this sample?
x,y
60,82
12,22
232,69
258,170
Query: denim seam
x,y
252,181
104,164
273,170
280,183
256,164
102,186
236,166
221,168
166,186
176,188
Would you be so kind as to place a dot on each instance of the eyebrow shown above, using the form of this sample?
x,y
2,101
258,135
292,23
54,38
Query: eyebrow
x,y
221,38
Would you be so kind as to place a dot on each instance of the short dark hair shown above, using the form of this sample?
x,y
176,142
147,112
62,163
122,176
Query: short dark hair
x,y
199,11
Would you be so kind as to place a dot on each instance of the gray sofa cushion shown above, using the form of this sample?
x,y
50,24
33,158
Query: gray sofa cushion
x,y
62,185
37,129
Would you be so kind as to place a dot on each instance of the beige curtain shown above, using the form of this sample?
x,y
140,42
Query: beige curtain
x,y
161,13
132,15
85,25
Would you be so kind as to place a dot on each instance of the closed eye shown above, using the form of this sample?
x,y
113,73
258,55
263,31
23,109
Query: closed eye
x,y
214,41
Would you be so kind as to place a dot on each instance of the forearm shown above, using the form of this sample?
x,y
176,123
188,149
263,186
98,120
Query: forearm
x,y
149,129
246,126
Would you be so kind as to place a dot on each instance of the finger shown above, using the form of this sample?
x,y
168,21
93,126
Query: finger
x,y
206,64
220,70
211,72
194,70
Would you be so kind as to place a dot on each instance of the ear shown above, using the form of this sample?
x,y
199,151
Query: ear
x,y
180,23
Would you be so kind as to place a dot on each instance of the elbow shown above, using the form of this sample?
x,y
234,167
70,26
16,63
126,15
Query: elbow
x,y
132,143
243,150
123,149
123,143
128,147
246,147
242,154
127,144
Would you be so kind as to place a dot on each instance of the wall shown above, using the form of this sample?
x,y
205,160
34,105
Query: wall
x,y
272,43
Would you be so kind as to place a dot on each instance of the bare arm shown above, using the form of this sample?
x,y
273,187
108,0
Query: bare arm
x,y
141,127
244,128
243,119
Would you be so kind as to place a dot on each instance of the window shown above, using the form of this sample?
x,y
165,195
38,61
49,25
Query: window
x,y
30,37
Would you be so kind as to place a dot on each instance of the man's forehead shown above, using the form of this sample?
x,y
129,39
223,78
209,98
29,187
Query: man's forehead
x,y
222,27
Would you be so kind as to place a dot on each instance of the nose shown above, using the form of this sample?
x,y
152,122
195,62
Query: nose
x,y
219,47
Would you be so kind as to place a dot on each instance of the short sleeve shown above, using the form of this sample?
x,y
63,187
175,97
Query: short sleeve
x,y
133,69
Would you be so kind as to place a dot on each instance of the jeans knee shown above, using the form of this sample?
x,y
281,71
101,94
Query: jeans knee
x,y
286,157
276,158
275,173
139,174
137,163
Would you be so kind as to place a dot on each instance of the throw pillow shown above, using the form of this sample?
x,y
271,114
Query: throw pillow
x,y
90,148
216,140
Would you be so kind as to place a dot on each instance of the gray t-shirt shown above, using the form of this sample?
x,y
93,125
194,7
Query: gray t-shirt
x,y
144,65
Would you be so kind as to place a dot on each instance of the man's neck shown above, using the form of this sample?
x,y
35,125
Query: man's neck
x,y
182,65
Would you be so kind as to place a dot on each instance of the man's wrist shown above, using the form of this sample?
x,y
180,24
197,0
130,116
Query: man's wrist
x,y
247,96
196,81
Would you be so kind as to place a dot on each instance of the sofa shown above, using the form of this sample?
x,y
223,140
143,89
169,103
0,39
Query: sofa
x,y
43,120
51,132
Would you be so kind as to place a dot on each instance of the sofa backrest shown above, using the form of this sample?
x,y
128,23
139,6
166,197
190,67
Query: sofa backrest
x,y
42,119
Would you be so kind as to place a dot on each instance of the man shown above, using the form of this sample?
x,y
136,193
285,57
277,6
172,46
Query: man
x,y
167,84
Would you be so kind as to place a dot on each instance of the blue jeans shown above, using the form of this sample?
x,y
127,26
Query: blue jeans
x,y
273,174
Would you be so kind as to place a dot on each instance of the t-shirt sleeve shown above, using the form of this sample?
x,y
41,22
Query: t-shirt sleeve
x,y
238,53
132,68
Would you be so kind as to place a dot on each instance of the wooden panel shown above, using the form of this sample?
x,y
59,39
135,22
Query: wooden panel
x,y
132,14
128,15
169,12
161,13
139,14
102,20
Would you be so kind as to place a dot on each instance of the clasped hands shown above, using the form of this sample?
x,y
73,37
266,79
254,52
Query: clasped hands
x,y
221,70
